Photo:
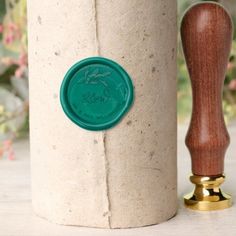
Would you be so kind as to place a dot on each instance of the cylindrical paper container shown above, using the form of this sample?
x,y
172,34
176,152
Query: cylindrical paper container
x,y
124,176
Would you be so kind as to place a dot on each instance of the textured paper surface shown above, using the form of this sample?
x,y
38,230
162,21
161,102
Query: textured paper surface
x,y
126,176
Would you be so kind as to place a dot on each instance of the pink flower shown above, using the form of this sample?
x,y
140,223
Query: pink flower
x,y
11,155
19,72
230,65
1,152
232,85
7,144
12,26
1,28
9,38
23,58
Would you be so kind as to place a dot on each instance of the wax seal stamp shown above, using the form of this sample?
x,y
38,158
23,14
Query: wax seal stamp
x,y
96,93
206,33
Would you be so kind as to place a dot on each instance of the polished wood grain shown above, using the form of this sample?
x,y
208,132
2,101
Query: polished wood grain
x,y
206,32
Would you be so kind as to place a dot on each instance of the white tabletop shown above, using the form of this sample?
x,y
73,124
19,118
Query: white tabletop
x,y
17,218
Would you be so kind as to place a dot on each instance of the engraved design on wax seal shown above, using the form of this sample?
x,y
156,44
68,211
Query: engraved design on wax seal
x,y
96,93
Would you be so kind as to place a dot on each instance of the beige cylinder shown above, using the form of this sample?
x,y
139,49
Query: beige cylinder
x,y
125,176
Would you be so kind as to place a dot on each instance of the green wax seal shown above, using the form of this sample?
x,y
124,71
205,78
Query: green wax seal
x,y
96,93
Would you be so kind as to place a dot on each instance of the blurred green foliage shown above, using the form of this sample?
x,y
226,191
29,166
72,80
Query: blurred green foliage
x,y
2,9
13,74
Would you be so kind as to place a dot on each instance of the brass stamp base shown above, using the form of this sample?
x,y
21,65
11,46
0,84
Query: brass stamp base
x,y
207,195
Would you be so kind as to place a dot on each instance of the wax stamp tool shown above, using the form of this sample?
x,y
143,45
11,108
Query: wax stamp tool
x,y
206,33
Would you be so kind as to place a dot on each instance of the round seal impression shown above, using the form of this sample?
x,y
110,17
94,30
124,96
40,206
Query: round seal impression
x,y
96,93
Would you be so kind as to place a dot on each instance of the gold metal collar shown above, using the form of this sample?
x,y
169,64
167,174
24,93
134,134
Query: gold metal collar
x,y
207,195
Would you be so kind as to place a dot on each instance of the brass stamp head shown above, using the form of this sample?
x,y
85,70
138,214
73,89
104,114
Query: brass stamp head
x,y
207,195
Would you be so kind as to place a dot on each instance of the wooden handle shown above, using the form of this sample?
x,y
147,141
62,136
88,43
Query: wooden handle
x,y
206,33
